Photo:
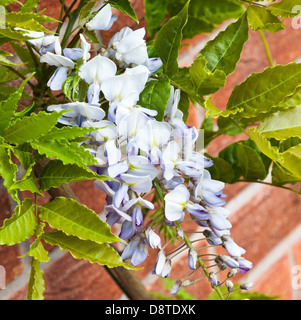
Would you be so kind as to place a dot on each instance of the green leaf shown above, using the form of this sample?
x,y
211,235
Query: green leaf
x,y
36,284
102,254
292,100
8,107
27,21
206,15
261,18
155,13
265,146
6,62
155,96
23,153
292,159
283,124
197,25
168,41
85,11
250,163
223,52
8,171
262,91
30,128
28,184
67,152
204,81
20,226
125,7
29,6
7,2
77,220
14,34
24,54
37,250
184,105
222,170
284,8
281,176
68,133
215,11
56,173
80,89
213,111
75,88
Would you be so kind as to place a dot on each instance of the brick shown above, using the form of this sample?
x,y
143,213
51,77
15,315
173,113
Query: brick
x,y
8,254
276,281
70,279
9,257
297,259
265,220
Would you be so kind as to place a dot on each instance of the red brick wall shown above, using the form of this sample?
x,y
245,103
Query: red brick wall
x,y
266,220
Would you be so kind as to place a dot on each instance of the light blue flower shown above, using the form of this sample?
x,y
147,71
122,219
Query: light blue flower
x,y
94,72
103,20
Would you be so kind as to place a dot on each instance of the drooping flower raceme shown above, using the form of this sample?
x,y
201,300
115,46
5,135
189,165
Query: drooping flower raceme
x,y
154,164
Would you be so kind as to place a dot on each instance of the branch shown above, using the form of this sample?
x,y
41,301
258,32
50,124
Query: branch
x,y
127,280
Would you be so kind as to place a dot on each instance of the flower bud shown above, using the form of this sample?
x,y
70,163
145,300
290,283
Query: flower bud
x,y
180,233
213,279
228,261
232,273
166,269
247,286
176,287
192,259
188,283
233,249
211,238
160,262
152,238
229,285
244,265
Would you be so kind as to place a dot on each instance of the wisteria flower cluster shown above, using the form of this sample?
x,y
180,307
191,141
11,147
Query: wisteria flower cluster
x,y
153,164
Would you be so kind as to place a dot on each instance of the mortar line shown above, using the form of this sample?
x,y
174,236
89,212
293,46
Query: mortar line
x,y
292,261
274,255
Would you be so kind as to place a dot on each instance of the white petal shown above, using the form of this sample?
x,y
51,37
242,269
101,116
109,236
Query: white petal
x,y
120,212
57,79
86,46
102,20
90,111
140,184
73,53
141,73
132,123
113,153
93,93
57,60
175,202
104,187
97,69
139,165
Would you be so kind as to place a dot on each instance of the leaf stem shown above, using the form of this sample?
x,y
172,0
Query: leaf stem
x,y
270,184
267,48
